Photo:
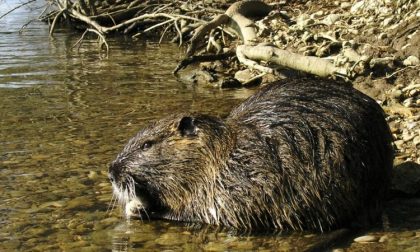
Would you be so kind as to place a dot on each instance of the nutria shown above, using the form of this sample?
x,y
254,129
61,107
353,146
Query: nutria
x,y
299,154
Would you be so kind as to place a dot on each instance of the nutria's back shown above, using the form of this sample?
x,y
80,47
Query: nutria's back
x,y
299,154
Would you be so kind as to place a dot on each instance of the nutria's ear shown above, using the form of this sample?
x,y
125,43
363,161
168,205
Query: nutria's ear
x,y
187,127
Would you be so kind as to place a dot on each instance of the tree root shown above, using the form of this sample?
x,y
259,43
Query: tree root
x,y
237,16
322,67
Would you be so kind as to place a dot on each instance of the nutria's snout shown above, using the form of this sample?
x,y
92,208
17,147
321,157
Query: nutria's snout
x,y
139,198
114,171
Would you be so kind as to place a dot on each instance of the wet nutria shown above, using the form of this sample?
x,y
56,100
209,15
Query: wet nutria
x,y
299,154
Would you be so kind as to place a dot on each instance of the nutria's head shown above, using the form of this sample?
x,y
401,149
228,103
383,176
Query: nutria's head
x,y
165,171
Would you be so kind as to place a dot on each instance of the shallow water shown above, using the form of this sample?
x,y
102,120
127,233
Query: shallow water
x,y
66,113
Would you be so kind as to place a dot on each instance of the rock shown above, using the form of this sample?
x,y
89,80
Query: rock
x,y
396,93
399,143
366,238
331,19
406,178
411,61
383,238
243,75
407,234
57,204
416,141
230,83
92,175
408,102
345,5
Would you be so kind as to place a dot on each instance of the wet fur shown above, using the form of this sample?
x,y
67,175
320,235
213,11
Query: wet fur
x,y
299,154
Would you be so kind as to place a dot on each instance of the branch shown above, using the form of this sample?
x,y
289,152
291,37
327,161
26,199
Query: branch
x,y
17,7
314,65
236,17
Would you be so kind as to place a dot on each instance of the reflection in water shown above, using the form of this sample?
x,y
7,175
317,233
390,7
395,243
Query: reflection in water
x,y
65,114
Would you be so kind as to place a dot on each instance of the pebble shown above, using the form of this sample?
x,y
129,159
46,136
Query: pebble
x,y
383,238
345,5
399,143
408,102
215,246
104,184
93,175
243,75
81,203
172,239
407,234
416,140
366,238
411,61
57,204
396,93
331,19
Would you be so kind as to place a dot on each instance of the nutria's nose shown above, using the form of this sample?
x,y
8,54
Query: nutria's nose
x,y
115,170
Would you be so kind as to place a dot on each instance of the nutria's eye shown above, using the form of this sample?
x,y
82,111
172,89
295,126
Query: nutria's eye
x,y
146,145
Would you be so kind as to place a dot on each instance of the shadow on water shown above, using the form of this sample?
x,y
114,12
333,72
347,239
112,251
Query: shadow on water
x,y
66,113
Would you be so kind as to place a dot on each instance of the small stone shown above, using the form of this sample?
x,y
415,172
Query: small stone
x,y
215,246
407,234
396,93
93,175
56,204
411,125
243,75
345,5
411,61
383,238
399,143
388,21
331,19
408,102
416,140
338,250
382,36
366,238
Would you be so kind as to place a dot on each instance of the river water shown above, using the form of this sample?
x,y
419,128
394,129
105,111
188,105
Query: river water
x,y
65,113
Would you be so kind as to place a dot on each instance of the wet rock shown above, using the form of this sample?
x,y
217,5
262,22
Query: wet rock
x,y
366,239
11,245
172,239
82,203
57,204
406,178
407,234
230,83
93,175
215,246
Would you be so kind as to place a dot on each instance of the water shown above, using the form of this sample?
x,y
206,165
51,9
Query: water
x,y
66,113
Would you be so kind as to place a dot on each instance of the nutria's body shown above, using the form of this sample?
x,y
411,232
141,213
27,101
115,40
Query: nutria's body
x,y
299,154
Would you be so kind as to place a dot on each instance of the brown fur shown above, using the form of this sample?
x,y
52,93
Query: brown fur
x,y
299,154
